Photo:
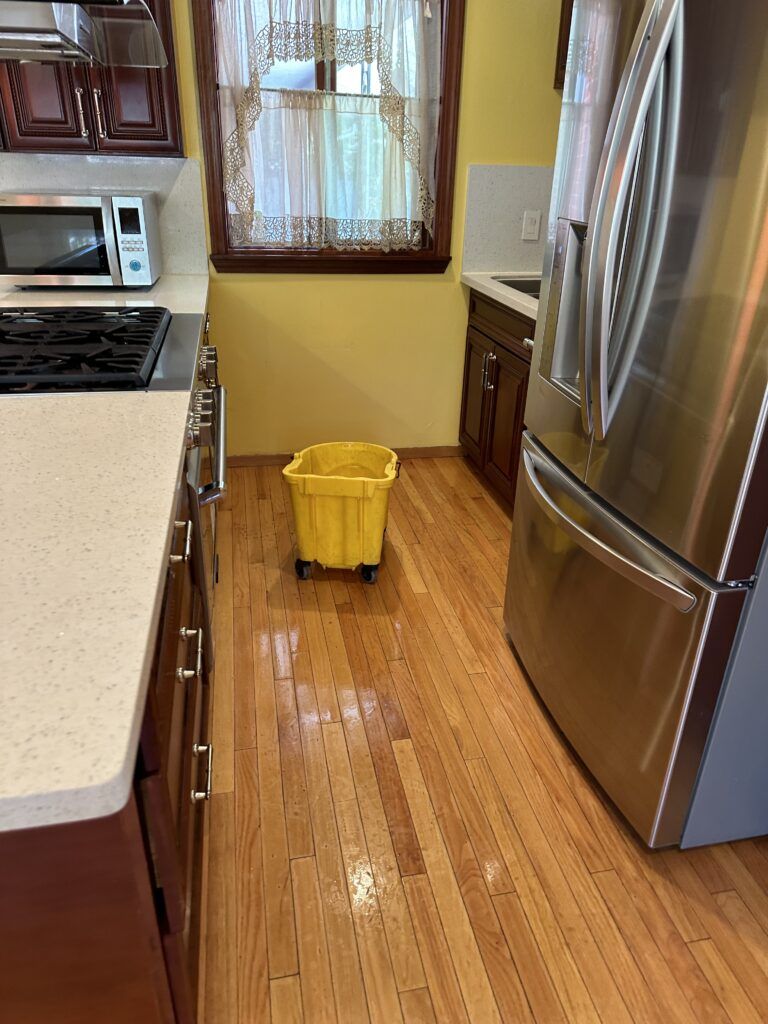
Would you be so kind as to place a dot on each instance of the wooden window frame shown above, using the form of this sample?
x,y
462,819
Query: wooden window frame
x,y
227,258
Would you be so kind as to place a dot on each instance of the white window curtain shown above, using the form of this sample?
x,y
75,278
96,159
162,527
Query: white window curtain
x,y
315,169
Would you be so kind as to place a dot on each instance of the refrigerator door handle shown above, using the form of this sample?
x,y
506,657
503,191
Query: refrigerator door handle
x,y
613,181
681,599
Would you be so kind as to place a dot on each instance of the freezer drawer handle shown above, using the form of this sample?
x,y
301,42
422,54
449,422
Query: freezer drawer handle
x,y
679,598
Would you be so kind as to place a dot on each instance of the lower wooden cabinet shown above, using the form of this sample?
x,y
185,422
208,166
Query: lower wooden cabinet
x,y
101,920
496,370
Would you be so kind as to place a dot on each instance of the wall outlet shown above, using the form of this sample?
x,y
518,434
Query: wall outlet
x,y
531,225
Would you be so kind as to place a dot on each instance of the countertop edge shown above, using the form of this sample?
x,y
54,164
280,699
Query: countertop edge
x,y
486,284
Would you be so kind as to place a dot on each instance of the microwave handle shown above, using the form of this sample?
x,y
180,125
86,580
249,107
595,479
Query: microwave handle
x,y
110,240
216,490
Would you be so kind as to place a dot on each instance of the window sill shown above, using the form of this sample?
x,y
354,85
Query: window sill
x,y
272,262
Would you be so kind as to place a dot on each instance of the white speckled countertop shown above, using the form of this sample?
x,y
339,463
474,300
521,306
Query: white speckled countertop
x,y
487,284
181,293
86,510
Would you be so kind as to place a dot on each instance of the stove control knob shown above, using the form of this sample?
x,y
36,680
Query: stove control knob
x,y
207,368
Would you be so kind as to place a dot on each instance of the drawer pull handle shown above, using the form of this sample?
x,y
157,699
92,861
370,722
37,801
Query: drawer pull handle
x,y
183,674
197,795
528,343
99,120
80,112
186,525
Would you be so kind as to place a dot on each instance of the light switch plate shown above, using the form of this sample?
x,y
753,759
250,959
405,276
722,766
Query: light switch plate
x,y
531,225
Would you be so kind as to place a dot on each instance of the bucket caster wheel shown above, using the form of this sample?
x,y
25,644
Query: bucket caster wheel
x,y
369,573
303,569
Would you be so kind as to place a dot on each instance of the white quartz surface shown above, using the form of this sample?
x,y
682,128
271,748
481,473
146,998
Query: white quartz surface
x,y
487,284
180,293
86,505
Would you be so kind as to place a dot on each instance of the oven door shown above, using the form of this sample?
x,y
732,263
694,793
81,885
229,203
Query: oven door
x,y
58,240
207,481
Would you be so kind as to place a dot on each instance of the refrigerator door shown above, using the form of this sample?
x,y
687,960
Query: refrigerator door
x,y
625,647
679,374
604,48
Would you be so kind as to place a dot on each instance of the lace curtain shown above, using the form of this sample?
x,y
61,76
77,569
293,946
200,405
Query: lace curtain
x,y
305,168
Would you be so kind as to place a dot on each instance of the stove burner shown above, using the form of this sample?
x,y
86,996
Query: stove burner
x,y
79,348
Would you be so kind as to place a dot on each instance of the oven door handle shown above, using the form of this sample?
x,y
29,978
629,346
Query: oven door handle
x,y
216,490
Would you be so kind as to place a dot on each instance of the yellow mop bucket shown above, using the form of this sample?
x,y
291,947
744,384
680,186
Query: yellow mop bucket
x,y
340,496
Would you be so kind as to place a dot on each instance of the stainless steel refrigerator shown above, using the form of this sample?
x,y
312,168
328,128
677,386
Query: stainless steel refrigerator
x,y
642,503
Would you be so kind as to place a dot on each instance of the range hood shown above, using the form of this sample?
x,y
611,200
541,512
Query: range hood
x,y
116,33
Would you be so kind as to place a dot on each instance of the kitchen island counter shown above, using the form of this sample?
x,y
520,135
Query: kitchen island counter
x,y
87,515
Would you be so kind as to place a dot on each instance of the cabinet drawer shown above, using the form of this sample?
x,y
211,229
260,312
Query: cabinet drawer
x,y
501,324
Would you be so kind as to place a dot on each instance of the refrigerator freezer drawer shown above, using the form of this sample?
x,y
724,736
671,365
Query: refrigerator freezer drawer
x,y
625,648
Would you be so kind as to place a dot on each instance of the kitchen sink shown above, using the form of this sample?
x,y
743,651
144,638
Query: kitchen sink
x,y
528,285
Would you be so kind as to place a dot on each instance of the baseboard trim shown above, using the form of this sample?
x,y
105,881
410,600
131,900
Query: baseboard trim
x,y
439,452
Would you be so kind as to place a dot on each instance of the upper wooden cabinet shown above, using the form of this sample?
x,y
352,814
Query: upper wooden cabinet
x,y
62,108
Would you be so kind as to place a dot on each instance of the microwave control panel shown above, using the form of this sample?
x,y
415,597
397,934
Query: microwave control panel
x,y
138,246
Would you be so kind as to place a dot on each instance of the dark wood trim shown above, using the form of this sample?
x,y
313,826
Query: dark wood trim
x,y
445,451
278,261
229,259
563,39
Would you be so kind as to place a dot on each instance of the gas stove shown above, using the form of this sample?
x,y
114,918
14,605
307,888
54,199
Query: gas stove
x,y
80,348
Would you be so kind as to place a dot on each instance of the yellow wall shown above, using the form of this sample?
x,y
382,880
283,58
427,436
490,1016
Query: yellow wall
x,y
310,358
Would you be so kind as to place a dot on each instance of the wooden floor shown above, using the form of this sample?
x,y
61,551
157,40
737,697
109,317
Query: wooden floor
x,y
397,833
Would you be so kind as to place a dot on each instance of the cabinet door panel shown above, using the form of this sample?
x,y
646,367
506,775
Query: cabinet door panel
x,y
136,109
509,376
473,402
41,104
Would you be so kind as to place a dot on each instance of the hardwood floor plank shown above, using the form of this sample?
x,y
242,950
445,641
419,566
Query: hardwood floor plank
x,y
285,1001
438,965
417,1007
297,818
731,994
474,892
659,981
417,650
746,926
279,635
253,993
237,488
378,976
544,1002
221,931
281,933
404,952
349,993
244,686
314,963
318,653
725,939
223,725
390,784
473,979
567,980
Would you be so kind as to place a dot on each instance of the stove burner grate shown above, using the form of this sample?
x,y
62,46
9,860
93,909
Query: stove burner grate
x,y
80,348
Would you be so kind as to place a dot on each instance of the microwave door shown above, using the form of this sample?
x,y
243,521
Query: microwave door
x,y
59,241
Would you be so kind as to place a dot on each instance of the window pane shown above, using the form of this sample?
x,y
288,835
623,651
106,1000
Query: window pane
x,y
359,79
290,74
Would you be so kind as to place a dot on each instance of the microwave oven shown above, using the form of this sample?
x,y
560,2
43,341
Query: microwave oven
x,y
79,240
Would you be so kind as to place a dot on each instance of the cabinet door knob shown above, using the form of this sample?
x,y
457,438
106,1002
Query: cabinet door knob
x,y
528,343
